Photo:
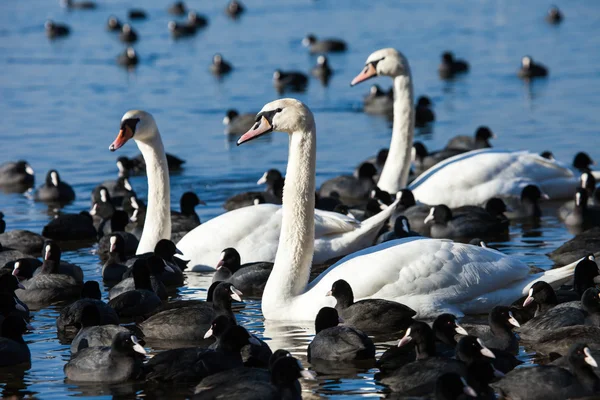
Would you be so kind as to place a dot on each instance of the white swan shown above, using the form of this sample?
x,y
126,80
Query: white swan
x,y
429,275
140,126
253,231
467,179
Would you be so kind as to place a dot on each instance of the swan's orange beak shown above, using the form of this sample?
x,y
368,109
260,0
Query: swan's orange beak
x,y
367,73
124,135
259,129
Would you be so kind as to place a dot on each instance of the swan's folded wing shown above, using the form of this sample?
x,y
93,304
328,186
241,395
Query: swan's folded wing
x,y
332,223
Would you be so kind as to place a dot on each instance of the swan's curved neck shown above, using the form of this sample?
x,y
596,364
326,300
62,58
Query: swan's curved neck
x,y
157,225
296,242
394,176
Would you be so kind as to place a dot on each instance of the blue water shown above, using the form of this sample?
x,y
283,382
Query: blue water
x,y
61,102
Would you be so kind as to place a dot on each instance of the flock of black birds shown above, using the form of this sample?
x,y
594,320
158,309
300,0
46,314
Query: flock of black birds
x,y
214,357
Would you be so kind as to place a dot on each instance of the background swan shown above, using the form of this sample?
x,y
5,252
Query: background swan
x,y
468,179
140,126
430,276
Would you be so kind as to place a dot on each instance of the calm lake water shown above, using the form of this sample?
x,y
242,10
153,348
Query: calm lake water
x,y
61,103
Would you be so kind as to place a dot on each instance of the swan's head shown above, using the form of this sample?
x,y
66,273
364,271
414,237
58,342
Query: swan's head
x,y
135,124
283,115
384,62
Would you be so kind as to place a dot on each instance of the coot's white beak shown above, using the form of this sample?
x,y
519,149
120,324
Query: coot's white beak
x,y
430,216
137,346
529,298
236,294
262,180
588,357
208,333
468,390
512,320
406,339
460,330
485,351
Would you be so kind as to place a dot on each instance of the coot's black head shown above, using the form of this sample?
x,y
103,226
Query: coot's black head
x,y
309,39
231,115
342,291
502,316
366,171
51,254
277,355
8,304
440,214
495,206
483,133
590,300
117,244
9,283
585,272
273,175
113,23
326,318
483,372
90,316
452,386
401,226
286,371
580,356
323,61
225,292
52,178
218,327
420,151
407,198
235,338
375,91
127,344
341,209
418,332
230,259
13,327
471,348
582,161
542,293
547,154
91,290
189,200
217,59
532,193
424,102
166,249
381,195
448,57
445,327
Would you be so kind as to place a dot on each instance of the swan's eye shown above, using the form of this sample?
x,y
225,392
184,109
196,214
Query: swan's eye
x,y
278,110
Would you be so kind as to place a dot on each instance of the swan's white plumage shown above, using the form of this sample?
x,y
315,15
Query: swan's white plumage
x,y
473,178
256,230
429,275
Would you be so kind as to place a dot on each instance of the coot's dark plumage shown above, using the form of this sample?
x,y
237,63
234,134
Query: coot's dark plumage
x,y
427,368
114,268
529,208
190,365
128,58
272,194
466,224
21,240
69,227
177,8
249,278
166,250
128,35
554,15
583,215
137,165
324,45
471,348
234,9
78,5
197,20
16,176
236,123
499,333
294,81
71,316
552,382
530,69
350,188
370,315
51,256
481,140
379,101
54,191
187,219
423,112
334,342
451,66
141,301
118,223
93,332
322,70
113,24
219,66
191,323
55,30
137,14
120,362
156,268
13,349
181,30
